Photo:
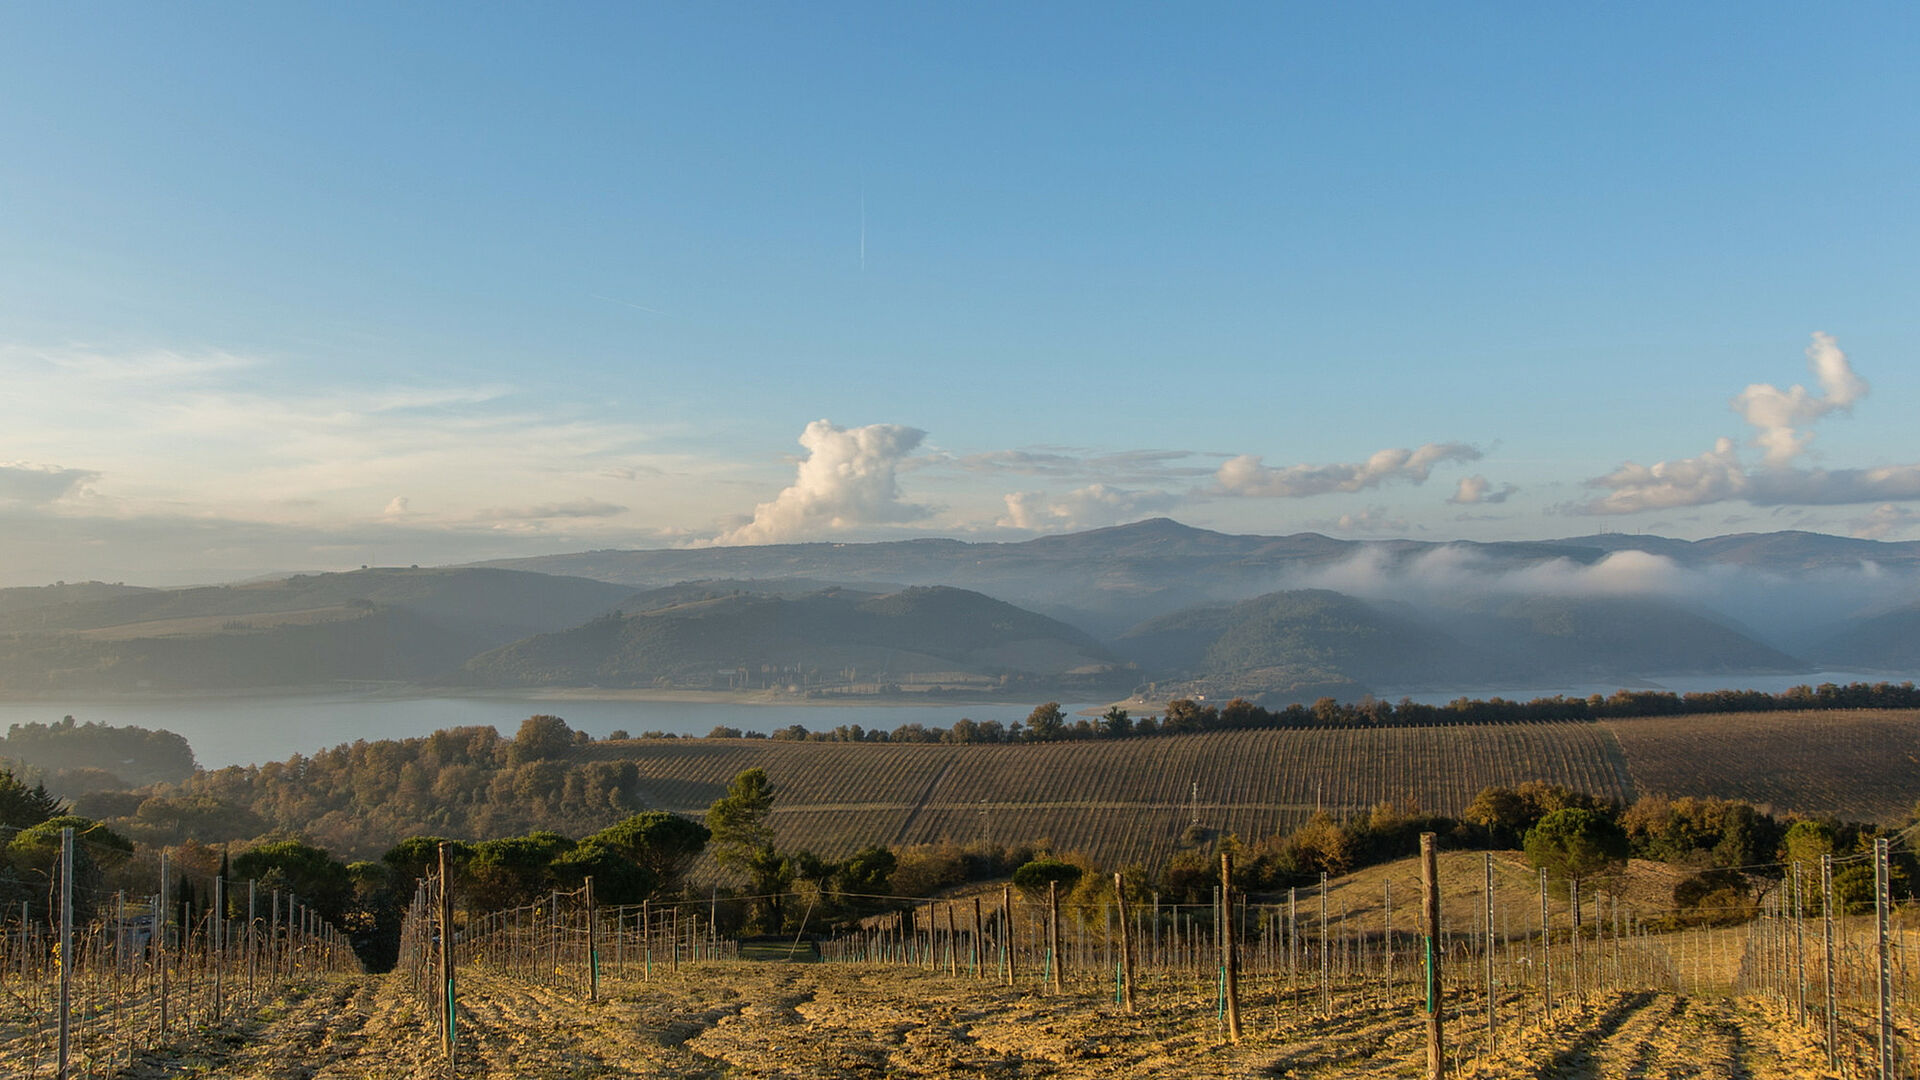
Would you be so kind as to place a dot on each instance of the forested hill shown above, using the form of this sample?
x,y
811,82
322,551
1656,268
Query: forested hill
x,y
1302,644
391,624
495,605
929,633
1298,645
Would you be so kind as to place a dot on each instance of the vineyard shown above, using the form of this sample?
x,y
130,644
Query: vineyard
x,y
1857,764
146,977
1534,978
1801,970
1522,976
1129,801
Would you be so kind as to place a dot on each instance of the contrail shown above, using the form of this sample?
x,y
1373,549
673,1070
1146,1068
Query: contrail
x,y
863,230
623,303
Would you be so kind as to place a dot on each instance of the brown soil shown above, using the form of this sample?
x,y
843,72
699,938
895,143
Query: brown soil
x,y
830,1022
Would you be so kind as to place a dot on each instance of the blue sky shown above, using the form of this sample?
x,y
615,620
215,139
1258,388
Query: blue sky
x,y
303,286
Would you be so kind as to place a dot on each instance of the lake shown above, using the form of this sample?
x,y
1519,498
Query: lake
x,y
243,731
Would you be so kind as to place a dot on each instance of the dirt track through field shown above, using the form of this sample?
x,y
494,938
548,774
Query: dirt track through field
x,y
1641,1034
824,1022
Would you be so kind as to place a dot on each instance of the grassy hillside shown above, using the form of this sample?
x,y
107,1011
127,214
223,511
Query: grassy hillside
x,y
805,641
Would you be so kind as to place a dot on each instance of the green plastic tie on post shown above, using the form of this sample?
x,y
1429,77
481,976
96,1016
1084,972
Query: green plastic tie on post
x,y
1220,997
1433,1003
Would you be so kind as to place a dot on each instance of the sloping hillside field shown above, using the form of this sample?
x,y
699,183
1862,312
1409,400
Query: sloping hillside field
x,y
1862,765
1129,800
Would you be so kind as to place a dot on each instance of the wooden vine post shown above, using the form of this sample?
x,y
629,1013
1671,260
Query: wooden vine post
x,y
593,946
1053,936
448,1035
1430,935
66,953
1882,904
1229,965
1006,940
1492,995
163,917
1546,951
1126,943
1828,973
953,945
979,926
217,933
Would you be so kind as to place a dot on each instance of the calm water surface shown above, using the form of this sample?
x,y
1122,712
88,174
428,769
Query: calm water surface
x,y
242,731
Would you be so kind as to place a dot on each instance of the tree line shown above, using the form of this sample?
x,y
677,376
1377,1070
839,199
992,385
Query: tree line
x,y
1049,723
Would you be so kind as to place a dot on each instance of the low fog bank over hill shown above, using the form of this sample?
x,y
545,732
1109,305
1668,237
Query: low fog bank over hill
x,y
1791,591
1298,645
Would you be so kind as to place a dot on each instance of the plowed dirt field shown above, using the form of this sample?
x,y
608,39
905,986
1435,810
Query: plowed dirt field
x,y
815,1022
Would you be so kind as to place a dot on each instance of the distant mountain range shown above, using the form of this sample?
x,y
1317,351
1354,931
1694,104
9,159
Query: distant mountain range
x,y
1108,580
1154,606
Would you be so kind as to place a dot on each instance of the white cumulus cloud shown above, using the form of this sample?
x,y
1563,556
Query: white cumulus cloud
x,y
1476,490
1248,475
1719,475
1779,413
1714,476
846,481
1089,507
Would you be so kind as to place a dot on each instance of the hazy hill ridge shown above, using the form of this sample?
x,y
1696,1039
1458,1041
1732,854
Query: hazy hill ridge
x,y
828,637
1109,580
1194,611
1297,645
388,624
